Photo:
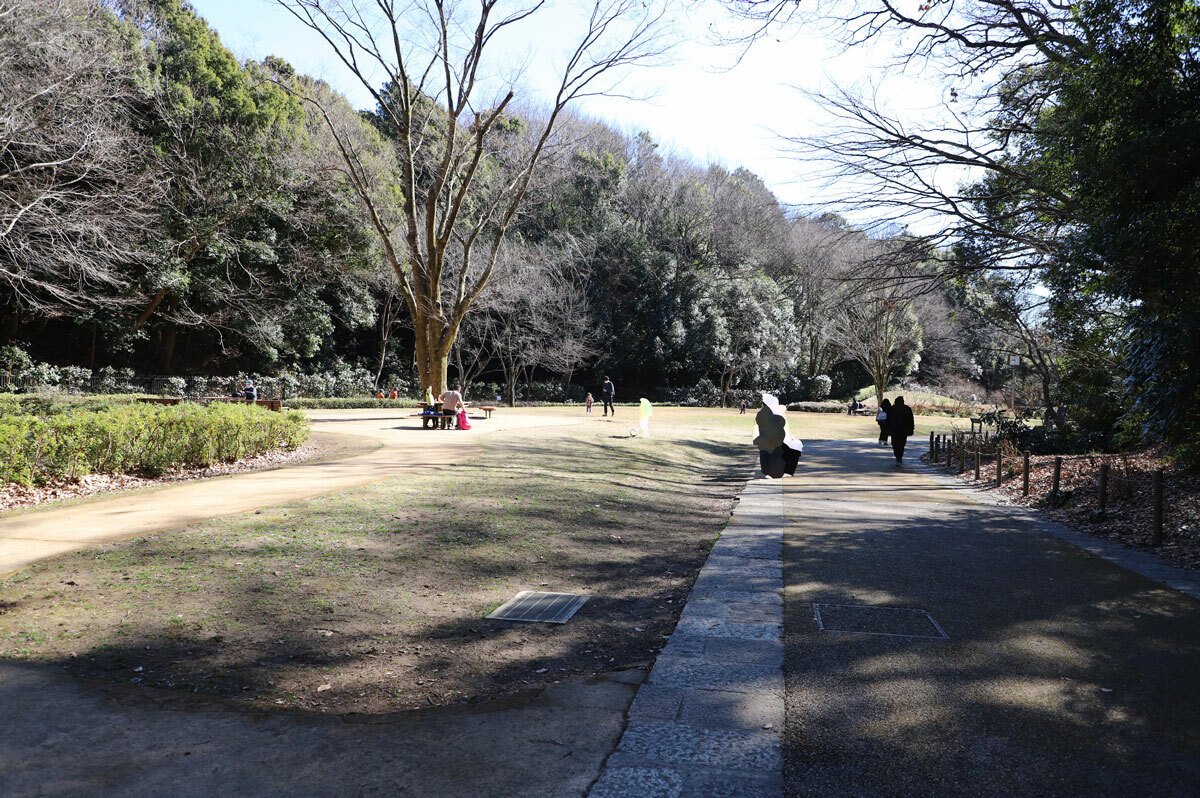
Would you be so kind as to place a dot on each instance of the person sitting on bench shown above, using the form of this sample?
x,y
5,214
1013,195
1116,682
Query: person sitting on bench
x,y
451,403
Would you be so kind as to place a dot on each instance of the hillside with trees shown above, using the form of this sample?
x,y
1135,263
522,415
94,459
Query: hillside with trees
x,y
168,210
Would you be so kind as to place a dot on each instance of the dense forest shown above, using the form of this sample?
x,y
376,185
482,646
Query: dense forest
x,y
166,209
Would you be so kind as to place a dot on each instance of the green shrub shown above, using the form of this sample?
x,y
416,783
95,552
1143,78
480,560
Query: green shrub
x,y
350,403
139,439
817,407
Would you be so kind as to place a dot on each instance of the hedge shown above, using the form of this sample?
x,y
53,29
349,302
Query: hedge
x,y
817,407
350,403
140,439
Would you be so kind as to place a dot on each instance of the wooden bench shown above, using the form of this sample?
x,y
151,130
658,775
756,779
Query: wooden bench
x,y
159,400
865,411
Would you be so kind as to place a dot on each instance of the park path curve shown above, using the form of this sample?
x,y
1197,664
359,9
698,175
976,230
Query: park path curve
x,y
396,445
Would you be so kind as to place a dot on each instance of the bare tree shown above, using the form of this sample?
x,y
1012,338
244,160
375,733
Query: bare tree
x,y
954,171
460,191
536,314
74,190
879,329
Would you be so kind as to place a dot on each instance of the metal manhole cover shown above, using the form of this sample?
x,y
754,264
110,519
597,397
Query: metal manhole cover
x,y
539,607
891,621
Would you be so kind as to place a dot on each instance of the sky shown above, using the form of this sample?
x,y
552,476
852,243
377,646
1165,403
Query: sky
x,y
704,104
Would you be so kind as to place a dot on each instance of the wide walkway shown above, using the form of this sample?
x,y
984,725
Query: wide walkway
x,y
1033,668
391,443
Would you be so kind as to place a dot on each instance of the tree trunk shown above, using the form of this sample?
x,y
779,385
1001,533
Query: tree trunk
x,y
168,349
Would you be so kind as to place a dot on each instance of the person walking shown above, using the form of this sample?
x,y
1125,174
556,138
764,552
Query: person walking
x,y
881,419
742,408
899,426
587,403
607,392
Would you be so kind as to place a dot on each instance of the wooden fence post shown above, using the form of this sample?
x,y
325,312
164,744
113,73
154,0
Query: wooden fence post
x,y
999,468
1103,487
1025,479
976,465
962,455
1158,507
1057,475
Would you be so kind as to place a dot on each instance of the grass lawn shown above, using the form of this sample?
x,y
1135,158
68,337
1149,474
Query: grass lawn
x,y
373,599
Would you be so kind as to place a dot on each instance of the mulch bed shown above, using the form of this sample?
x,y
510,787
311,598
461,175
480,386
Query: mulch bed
x,y
13,497
1128,518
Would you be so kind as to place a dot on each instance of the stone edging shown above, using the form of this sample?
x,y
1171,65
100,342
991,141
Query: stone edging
x,y
708,719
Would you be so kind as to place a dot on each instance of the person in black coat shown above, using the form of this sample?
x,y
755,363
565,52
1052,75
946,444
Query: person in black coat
x,y
899,425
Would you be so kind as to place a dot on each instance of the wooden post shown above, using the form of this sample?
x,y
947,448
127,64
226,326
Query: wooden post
x,y
1057,475
1158,507
976,465
962,455
1025,480
999,467
931,455
1103,487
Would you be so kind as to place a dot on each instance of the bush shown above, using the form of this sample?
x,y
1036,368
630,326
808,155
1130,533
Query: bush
x,y
350,403
820,387
139,439
817,407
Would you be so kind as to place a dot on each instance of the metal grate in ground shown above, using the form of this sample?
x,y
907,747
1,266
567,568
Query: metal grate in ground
x,y
891,621
532,607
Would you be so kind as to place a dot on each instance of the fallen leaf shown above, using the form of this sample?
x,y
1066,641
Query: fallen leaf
x,y
324,687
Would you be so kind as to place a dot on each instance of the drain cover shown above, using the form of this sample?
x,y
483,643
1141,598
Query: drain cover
x,y
892,621
544,607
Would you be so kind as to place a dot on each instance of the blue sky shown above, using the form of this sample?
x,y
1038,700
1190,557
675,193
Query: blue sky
x,y
696,106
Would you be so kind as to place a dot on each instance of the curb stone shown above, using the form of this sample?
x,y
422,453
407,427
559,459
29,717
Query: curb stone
x,y
707,721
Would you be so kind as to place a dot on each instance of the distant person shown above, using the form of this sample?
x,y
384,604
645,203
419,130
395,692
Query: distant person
x,y
607,392
451,403
379,394
587,403
250,393
899,426
395,394
742,408
881,419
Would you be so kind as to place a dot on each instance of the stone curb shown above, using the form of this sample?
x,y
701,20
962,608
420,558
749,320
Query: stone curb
x,y
707,721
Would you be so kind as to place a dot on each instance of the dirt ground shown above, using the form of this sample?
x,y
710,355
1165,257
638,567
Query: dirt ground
x,y
372,600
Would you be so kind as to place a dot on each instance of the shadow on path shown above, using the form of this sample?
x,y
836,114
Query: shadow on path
x,y
1064,674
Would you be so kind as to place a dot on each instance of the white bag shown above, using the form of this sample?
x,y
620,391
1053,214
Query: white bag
x,y
881,415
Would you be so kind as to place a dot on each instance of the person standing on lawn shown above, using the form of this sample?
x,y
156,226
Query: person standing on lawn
x,y
607,392
881,419
899,425
588,403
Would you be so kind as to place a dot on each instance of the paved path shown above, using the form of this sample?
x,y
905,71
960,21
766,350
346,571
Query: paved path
x,y
61,737
1064,674
707,721
396,444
